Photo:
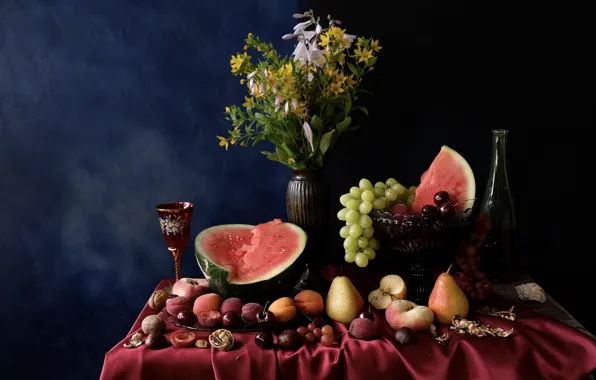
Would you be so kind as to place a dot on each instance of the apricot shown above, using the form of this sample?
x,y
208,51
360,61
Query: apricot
x,y
309,302
283,309
207,302
232,304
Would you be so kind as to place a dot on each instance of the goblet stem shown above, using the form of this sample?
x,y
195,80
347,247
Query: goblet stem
x,y
177,254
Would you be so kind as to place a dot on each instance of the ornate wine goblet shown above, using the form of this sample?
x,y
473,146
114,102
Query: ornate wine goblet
x,y
174,220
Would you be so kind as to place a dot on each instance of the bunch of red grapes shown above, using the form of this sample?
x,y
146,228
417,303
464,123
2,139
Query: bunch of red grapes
x,y
471,280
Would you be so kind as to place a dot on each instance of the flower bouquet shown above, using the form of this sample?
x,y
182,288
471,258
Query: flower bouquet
x,y
304,102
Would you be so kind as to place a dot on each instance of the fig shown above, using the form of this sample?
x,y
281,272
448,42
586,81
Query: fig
x,y
182,339
363,329
250,311
178,304
232,304
156,341
289,340
153,324
209,318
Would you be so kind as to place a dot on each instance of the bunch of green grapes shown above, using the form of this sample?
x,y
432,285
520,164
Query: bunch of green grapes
x,y
360,244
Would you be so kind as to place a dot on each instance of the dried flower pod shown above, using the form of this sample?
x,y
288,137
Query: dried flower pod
x,y
153,324
531,292
135,340
158,299
464,326
222,339
202,343
505,314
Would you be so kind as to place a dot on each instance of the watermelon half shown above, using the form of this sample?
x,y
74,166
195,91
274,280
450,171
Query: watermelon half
x,y
251,262
448,172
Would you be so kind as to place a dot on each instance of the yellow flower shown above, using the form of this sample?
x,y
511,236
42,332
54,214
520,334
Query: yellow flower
x,y
228,109
336,33
245,48
336,88
371,68
324,39
361,42
232,141
375,45
363,54
243,144
223,142
249,102
236,129
237,61
242,81
292,160
341,58
350,81
250,35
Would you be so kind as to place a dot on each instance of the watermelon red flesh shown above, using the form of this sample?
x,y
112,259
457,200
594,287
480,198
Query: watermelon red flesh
x,y
240,260
253,254
448,172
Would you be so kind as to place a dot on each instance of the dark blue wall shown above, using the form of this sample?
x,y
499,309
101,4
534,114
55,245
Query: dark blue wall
x,y
106,109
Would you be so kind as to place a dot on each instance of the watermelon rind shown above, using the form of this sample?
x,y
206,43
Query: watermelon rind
x,y
274,283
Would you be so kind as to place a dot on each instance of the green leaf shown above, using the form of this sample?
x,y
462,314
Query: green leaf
x,y
353,69
364,91
273,157
341,127
287,150
361,108
319,160
260,137
371,61
348,106
316,123
326,141
352,128
281,154
260,118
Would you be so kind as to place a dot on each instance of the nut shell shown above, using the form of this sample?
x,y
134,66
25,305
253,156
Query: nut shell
x,y
222,339
158,299
153,324
156,341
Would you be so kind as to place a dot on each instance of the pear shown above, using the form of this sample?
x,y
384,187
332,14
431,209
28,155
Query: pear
x,y
343,303
447,299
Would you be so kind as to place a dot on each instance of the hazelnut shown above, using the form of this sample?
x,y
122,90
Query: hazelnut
x,y
155,341
158,299
202,343
153,324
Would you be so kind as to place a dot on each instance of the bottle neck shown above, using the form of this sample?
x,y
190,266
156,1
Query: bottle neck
x,y
498,170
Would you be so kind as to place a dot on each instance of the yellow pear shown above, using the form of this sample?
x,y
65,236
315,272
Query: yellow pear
x,y
447,299
343,303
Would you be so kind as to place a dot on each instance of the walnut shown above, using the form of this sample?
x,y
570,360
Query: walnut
x,y
531,292
135,340
158,299
222,339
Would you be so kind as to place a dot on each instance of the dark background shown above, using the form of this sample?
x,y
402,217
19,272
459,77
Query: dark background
x,y
110,107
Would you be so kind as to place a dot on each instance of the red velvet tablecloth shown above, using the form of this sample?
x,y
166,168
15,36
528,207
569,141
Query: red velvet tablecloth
x,y
540,348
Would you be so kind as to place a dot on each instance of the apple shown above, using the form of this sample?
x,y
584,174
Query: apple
x,y
190,288
391,288
403,313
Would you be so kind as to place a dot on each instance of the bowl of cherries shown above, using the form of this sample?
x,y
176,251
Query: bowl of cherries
x,y
434,228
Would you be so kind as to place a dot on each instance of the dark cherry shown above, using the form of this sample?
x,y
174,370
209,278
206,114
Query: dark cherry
x,y
264,339
429,210
438,225
446,209
441,197
405,335
186,318
318,322
229,319
367,315
156,341
265,318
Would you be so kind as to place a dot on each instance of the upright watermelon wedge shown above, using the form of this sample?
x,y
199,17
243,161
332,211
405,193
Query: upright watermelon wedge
x,y
448,172
251,262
